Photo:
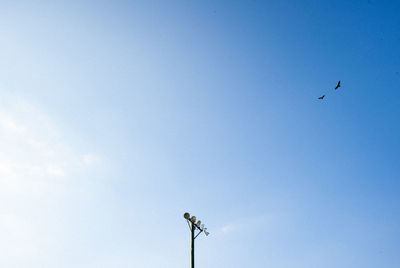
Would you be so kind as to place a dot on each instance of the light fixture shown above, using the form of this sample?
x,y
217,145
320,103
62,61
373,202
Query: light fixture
x,y
195,227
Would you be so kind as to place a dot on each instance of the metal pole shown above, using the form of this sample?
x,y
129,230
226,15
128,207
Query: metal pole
x,y
193,228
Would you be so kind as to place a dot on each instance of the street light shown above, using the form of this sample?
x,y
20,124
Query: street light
x,y
193,226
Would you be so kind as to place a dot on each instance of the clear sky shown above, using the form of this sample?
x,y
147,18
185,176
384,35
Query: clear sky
x,y
116,117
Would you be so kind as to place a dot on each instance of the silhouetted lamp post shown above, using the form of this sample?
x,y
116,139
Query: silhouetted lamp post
x,y
193,226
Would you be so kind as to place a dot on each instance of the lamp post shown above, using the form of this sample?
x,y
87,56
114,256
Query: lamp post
x,y
193,226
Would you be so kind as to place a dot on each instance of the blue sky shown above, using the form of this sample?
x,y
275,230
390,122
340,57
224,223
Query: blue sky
x,y
116,117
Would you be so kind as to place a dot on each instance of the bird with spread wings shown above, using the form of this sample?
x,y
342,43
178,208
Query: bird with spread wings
x,y
337,86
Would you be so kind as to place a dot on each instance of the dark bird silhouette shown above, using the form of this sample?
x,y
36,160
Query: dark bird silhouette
x,y
322,97
338,85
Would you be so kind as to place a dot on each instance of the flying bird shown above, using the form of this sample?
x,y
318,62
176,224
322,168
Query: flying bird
x,y
322,97
338,85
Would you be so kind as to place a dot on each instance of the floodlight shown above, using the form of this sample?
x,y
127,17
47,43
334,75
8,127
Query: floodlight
x,y
196,228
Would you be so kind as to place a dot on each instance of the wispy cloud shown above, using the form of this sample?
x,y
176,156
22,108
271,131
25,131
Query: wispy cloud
x,y
228,228
38,169
90,159
33,150
251,223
